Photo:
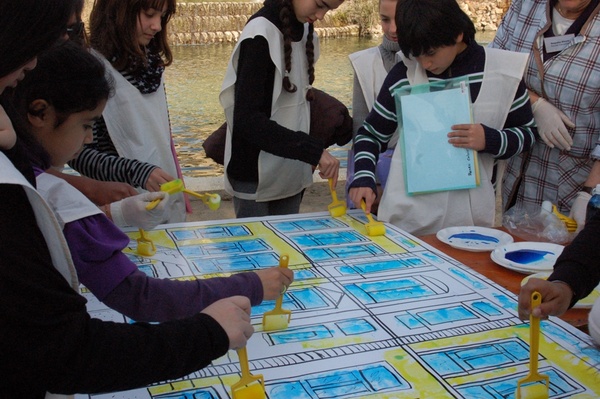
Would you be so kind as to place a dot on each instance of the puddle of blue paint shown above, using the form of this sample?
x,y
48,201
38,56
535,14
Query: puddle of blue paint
x,y
526,256
474,237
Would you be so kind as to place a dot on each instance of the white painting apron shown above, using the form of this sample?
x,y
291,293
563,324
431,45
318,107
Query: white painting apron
x,y
429,213
370,72
138,125
68,203
278,177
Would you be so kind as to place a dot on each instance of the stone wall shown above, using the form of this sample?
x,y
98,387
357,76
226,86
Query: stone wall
x,y
485,14
215,22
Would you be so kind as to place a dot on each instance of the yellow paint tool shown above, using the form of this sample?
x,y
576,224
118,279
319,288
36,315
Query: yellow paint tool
x,y
249,386
373,227
145,246
213,201
529,387
336,208
278,318
569,222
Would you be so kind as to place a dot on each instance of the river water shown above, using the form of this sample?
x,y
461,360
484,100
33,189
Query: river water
x,y
194,80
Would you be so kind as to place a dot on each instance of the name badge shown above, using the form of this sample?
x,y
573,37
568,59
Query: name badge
x,y
558,43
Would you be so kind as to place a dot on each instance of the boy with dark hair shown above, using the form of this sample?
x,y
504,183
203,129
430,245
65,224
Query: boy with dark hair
x,y
437,40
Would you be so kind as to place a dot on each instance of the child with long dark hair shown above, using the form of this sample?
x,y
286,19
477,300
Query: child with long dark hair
x,y
266,97
132,141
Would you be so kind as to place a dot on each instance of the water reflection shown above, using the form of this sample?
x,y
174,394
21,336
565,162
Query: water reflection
x,y
194,80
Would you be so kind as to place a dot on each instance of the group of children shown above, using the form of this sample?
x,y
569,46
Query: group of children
x,y
103,110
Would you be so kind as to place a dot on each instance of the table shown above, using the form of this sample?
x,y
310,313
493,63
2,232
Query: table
x,y
372,316
509,279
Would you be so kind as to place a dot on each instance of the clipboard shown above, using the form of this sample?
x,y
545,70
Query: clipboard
x,y
426,113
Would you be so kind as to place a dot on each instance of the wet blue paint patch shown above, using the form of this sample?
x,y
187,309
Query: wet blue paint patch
x,y
474,237
526,256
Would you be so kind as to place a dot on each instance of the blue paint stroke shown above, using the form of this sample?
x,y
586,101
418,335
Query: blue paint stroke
x,y
355,326
505,388
476,237
506,302
356,383
409,321
447,315
526,256
202,393
302,334
486,308
308,225
487,356
391,290
474,283
377,267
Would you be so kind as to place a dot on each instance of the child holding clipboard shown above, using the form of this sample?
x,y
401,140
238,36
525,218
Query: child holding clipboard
x,y
437,40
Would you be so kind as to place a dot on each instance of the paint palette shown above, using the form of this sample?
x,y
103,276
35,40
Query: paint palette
x,y
527,257
473,238
584,303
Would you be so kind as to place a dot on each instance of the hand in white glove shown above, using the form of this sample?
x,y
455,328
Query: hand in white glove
x,y
579,209
551,125
131,211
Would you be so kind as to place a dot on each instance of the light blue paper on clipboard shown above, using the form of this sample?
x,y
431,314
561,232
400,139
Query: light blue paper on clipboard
x,y
426,113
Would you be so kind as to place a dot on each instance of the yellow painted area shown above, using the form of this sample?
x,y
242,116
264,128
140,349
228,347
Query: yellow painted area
x,y
554,354
180,386
388,245
158,237
424,385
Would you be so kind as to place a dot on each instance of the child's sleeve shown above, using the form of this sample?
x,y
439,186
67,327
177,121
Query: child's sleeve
x,y
519,132
377,130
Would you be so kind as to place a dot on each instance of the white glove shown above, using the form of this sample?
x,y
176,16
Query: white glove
x,y
131,211
579,209
551,125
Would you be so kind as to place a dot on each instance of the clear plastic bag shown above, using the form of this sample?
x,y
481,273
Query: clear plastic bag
x,y
534,223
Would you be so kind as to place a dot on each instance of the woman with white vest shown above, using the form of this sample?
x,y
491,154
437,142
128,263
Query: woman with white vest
x,y
437,40
133,141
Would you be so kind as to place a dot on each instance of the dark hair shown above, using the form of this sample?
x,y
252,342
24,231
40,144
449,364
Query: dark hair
x,y
423,25
28,27
68,77
113,25
286,13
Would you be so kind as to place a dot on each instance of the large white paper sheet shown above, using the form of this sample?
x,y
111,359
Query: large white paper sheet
x,y
372,317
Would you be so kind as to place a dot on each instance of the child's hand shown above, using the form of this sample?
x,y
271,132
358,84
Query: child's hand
x,y
156,178
275,280
329,167
356,194
233,314
556,298
8,137
132,211
471,136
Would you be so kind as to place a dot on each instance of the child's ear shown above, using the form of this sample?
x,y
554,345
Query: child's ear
x,y
38,113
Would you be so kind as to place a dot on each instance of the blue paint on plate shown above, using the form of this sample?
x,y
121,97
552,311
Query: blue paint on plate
x,y
474,237
526,256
